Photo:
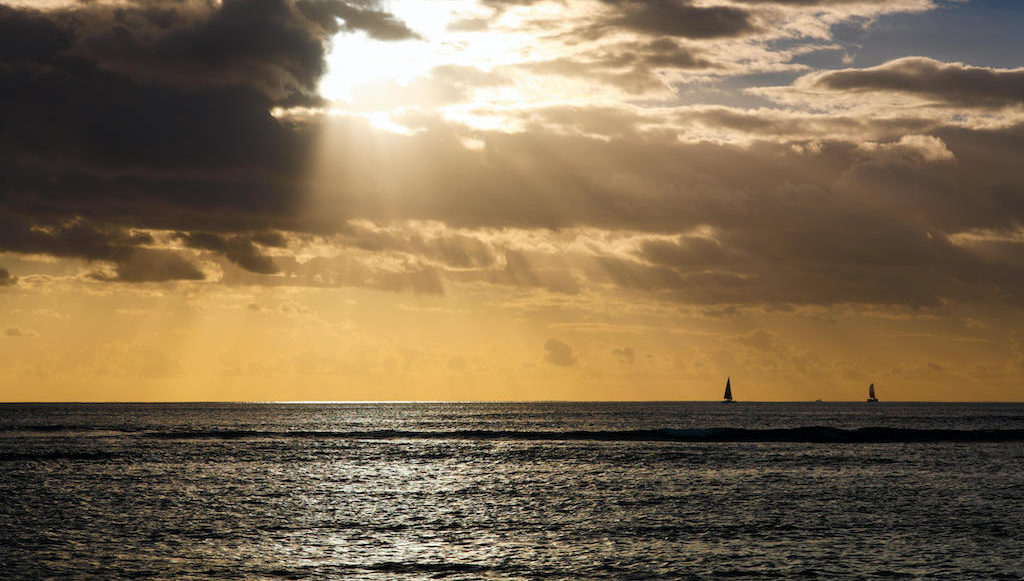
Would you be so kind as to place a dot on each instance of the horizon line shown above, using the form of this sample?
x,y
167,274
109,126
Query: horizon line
x,y
481,401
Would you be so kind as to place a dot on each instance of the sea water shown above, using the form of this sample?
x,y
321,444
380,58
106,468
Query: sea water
x,y
512,491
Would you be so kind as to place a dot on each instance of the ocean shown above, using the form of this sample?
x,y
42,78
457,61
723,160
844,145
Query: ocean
x,y
512,491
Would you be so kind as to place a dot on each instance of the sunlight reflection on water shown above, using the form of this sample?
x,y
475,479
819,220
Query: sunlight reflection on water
x,y
269,506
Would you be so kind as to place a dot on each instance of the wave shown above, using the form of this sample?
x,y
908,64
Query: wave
x,y
811,434
50,455
45,428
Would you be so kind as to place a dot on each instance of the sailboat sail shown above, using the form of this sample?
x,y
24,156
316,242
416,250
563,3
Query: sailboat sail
x,y
871,393
728,390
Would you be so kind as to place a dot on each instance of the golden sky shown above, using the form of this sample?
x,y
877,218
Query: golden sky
x,y
511,200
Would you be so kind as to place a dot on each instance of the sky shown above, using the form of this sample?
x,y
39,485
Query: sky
x,y
256,200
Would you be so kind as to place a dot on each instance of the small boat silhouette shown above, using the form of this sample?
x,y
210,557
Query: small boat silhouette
x,y
871,394
728,392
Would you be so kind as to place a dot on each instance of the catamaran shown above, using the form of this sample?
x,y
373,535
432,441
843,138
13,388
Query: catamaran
x,y
871,394
728,392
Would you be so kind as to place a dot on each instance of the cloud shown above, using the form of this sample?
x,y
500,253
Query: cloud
x,y
270,238
617,42
441,246
679,18
685,251
81,239
154,117
377,24
348,270
814,3
275,46
818,221
539,270
760,340
559,353
77,238
238,249
926,148
632,67
624,354
145,265
423,281
244,253
115,155
203,240
953,84
156,114
6,279
18,332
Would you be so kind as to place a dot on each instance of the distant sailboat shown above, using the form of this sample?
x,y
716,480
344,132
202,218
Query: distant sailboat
x,y
871,394
728,392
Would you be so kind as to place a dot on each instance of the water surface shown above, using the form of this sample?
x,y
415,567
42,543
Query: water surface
x,y
511,491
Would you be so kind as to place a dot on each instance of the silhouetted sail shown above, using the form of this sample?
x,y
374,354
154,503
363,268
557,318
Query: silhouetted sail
x,y
871,393
728,391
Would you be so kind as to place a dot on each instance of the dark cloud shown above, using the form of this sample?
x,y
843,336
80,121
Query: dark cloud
x,y
270,238
653,182
855,259
146,265
114,244
156,114
272,45
804,222
375,23
77,239
665,53
633,275
685,251
257,43
811,2
677,18
83,136
759,124
6,279
680,18
203,241
14,332
955,84
835,236
631,66
237,249
558,353
244,253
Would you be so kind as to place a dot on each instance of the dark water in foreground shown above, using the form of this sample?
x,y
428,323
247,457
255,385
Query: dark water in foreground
x,y
512,491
